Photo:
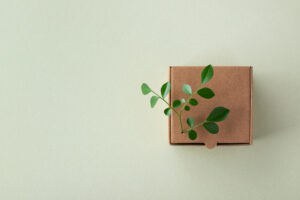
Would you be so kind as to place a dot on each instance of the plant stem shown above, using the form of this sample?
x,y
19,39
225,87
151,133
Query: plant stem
x,y
197,125
165,102
180,111
180,123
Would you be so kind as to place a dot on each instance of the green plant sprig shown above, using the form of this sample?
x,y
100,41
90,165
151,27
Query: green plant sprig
x,y
218,114
185,104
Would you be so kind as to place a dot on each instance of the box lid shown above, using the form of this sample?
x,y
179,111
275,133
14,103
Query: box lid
x,y
232,86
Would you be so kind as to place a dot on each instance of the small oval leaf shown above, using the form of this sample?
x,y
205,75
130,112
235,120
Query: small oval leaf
x,y
153,101
192,134
145,89
187,108
211,127
206,93
182,100
187,89
207,74
165,89
190,121
176,103
193,102
167,111
218,114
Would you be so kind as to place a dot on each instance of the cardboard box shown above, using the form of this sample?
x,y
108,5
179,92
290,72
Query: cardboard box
x,y
232,86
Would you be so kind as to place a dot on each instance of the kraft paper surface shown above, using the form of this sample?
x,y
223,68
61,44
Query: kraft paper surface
x,y
233,89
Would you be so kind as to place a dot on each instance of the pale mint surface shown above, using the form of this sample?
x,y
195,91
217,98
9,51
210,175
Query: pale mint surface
x,y
74,124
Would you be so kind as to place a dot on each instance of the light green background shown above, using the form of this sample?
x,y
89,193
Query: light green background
x,y
73,122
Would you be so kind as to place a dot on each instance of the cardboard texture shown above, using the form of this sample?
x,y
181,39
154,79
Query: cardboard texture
x,y
232,86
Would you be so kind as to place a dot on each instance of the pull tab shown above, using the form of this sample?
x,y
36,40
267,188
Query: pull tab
x,y
210,144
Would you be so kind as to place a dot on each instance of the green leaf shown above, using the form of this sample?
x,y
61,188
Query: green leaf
x,y
211,127
218,114
153,101
190,121
182,100
176,103
206,93
165,89
167,111
207,74
145,89
187,108
193,102
187,89
192,134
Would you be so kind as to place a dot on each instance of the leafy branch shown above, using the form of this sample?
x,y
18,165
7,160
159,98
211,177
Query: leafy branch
x,y
217,114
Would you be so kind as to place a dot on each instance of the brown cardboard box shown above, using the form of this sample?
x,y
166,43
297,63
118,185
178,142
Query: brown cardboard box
x,y
233,90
